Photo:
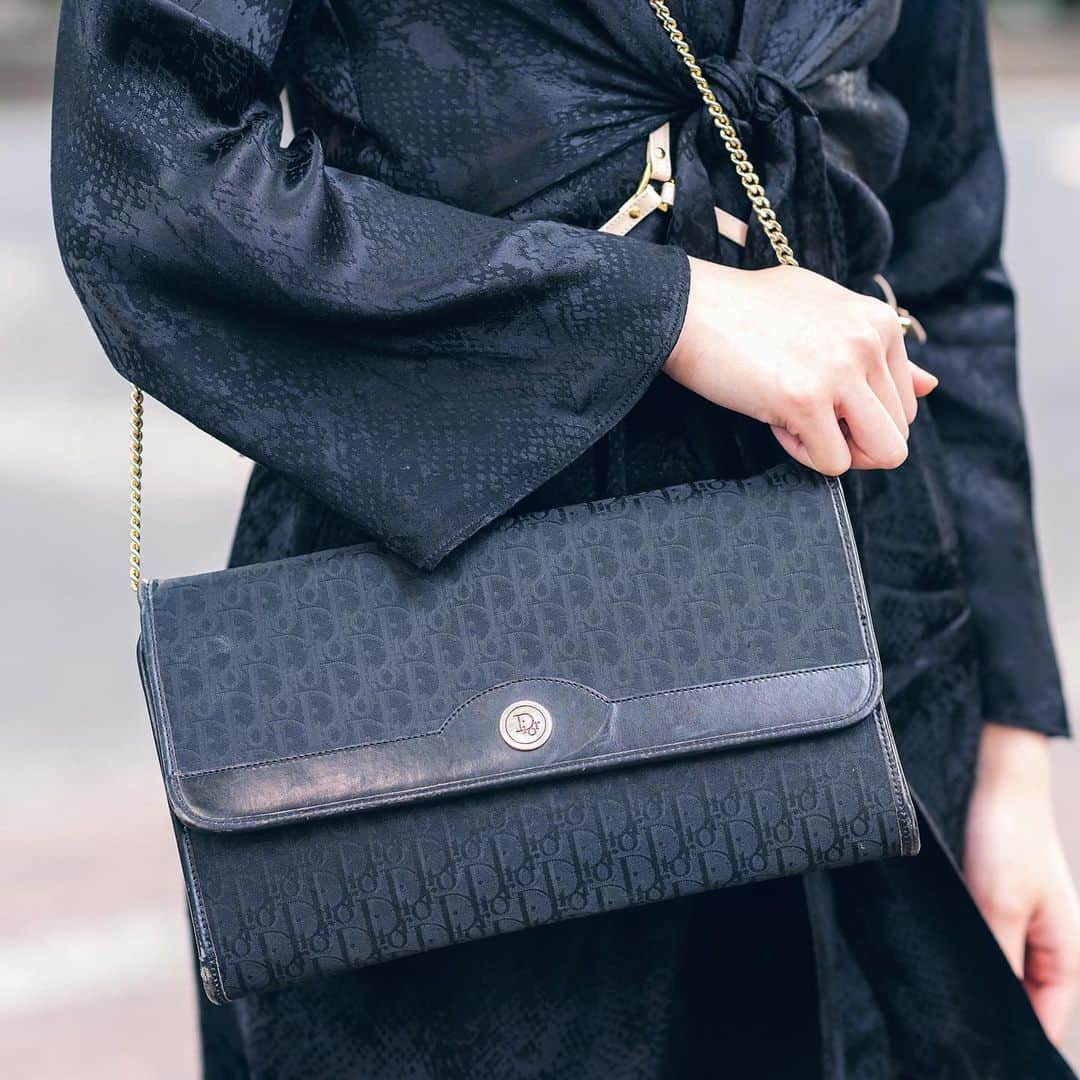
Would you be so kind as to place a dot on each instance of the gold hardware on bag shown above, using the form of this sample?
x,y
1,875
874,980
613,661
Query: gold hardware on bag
x,y
525,725
135,557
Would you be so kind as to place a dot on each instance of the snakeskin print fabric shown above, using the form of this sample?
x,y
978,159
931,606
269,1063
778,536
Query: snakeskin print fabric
x,y
515,348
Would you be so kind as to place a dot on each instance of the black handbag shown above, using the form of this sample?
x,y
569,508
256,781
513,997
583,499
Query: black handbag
x,y
577,711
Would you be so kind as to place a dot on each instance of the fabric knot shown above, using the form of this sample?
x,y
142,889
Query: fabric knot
x,y
735,83
748,92
782,135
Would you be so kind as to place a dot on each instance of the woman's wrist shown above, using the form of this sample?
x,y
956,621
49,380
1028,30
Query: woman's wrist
x,y
684,362
1014,756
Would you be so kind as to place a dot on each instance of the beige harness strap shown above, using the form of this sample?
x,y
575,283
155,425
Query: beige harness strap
x,y
912,323
659,155
731,227
649,197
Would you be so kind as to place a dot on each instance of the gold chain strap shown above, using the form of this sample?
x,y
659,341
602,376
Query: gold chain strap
x,y
750,182
135,558
743,166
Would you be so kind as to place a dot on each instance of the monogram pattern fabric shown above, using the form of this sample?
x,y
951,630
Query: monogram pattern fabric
x,y
281,905
690,585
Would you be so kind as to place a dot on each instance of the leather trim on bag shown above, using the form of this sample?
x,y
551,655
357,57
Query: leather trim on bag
x,y
604,734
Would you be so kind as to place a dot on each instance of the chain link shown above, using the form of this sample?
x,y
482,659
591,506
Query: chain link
x,y
743,166
135,558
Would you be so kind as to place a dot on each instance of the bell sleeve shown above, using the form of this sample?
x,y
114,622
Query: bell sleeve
x,y
947,205
416,366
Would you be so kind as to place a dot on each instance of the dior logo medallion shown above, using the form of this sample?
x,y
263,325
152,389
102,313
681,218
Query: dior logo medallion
x,y
525,725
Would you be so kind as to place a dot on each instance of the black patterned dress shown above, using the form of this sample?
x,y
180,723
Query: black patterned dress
x,y
407,318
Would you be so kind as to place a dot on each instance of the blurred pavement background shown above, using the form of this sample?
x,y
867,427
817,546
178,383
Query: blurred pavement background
x,y
94,968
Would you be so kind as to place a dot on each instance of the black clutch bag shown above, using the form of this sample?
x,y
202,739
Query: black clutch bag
x,y
579,710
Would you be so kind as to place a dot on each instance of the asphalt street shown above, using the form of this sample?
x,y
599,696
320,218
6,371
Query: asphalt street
x,y
93,953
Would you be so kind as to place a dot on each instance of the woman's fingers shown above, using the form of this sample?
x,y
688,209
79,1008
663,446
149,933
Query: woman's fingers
x,y
900,369
922,380
889,394
863,433
785,346
859,460
873,430
821,445
894,353
825,443
912,381
792,445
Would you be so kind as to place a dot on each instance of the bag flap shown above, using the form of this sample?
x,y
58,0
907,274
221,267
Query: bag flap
x,y
672,622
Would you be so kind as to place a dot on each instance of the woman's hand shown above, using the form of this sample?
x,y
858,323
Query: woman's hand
x,y
826,368
1016,870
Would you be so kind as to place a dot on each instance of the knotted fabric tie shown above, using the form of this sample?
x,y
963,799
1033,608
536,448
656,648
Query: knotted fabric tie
x,y
784,141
